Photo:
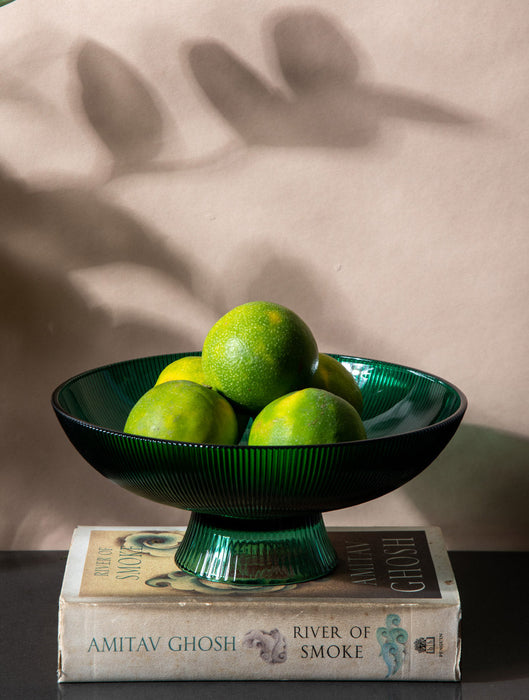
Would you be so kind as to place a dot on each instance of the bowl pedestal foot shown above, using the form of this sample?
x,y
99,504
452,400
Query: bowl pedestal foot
x,y
256,551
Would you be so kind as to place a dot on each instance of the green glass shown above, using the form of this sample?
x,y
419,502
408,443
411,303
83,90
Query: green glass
x,y
256,512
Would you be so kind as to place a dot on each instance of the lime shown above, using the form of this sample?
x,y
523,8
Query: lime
x,y
307,417
189,368
257,352
332,376
184,411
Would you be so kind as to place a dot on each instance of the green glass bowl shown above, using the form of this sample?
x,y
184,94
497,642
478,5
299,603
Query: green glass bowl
x,y
256,512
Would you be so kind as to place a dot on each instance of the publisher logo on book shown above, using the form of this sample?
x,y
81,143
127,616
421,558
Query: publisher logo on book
x,y
429,645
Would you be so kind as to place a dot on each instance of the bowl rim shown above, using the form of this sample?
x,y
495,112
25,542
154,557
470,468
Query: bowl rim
x,y
456,416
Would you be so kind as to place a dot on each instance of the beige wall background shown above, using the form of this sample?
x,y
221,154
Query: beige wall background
x,y
364,162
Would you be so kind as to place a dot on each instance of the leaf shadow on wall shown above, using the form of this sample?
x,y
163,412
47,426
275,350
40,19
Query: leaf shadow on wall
x,y
49,329
476,490
120,107
302,293
323,101
47,233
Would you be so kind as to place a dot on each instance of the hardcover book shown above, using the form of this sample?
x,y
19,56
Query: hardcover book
x,y
389,611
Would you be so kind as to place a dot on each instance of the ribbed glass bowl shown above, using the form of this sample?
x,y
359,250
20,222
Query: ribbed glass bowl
x,y
256,512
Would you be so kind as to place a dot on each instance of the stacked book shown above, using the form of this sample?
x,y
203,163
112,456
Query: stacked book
x,y
389,611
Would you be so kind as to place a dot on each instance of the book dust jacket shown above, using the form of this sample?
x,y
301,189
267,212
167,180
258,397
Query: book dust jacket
x,y
389,611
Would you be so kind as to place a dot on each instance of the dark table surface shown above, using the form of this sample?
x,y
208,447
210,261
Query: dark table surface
x,y
494,589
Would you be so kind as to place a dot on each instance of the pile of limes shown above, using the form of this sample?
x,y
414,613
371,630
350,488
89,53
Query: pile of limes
x,y
260,364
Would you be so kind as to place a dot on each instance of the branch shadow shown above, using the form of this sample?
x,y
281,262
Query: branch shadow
x,y
77,227
297,283
50,331
267,281
323,101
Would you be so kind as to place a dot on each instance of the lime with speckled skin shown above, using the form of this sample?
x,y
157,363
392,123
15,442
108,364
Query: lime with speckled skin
x,y
307,417
183,411
189,368
257,352
332,376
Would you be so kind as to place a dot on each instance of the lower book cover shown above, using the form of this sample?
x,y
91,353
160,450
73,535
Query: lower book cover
x,y
389,611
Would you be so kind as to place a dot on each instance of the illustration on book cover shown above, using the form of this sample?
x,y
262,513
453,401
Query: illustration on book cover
x,y
372,564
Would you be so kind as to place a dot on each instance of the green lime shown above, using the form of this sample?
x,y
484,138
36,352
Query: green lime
x,y
332,376
307,417
257,352
189,368
184,411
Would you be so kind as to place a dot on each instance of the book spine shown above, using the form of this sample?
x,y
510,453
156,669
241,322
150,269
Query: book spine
x,y
138,640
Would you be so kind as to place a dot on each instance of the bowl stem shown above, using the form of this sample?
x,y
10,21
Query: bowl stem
x,y
250,551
